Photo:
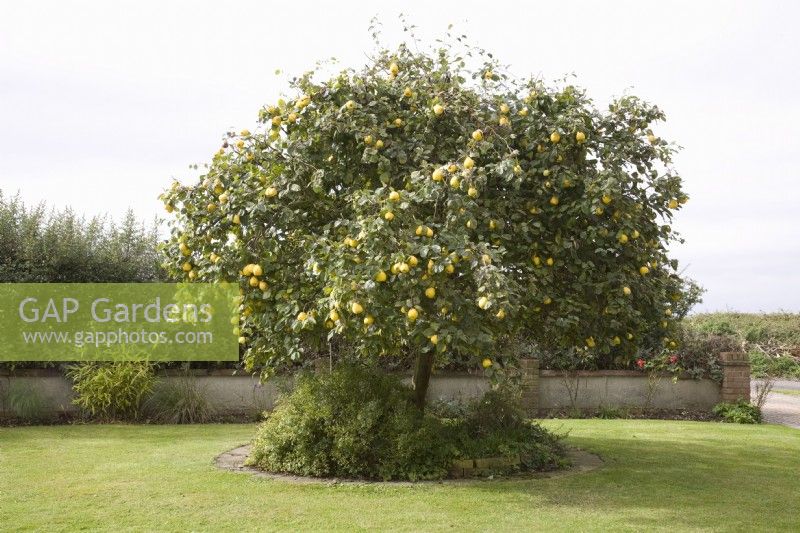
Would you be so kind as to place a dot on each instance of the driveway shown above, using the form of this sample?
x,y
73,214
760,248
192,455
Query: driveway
x,y
782,408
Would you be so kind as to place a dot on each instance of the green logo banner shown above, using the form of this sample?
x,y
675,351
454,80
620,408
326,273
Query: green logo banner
x,y
118,322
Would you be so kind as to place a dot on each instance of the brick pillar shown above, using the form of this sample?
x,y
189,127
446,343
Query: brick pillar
x,y
530,385
735,376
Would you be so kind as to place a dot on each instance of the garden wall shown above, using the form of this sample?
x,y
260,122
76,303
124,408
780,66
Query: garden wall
x,y
544,391
229,394
625,390
594,390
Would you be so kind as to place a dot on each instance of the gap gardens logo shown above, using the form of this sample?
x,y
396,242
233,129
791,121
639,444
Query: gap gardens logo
x,y
118,322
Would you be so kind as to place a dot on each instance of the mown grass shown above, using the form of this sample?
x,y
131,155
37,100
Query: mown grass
x,y
663,475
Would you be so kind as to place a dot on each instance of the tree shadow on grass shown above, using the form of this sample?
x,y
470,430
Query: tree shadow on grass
x,y
728,480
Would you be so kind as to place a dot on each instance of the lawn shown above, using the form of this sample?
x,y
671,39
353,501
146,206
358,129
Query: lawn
x,y
658,475
790,392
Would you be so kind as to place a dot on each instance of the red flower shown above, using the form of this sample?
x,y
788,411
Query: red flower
x,y
640,363
673,359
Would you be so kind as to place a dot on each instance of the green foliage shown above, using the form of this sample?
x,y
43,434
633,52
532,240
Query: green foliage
x,y
496,425
772,340
497,409
698,340
766,329
698,353
778,366
180,400
740,412
41,246
112,391
522,205
610,413
24,402
689,351
358,422
354,423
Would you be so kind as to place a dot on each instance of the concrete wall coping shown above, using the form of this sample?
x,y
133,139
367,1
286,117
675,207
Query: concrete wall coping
x,y
56,372
239,373
607,373
201,372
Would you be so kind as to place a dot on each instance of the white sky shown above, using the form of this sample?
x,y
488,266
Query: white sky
x,y
102,103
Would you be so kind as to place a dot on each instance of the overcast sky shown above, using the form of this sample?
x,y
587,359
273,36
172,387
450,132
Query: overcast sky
x,y
102,103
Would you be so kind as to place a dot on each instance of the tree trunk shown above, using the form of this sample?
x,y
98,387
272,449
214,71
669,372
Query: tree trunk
x,y
422,377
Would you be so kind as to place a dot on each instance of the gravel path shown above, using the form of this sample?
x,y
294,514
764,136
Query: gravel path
x,y
782,408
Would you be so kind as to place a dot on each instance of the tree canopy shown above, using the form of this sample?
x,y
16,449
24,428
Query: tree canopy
x,y
432,203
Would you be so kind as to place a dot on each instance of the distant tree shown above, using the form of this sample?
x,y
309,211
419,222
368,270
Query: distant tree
x,y
38,246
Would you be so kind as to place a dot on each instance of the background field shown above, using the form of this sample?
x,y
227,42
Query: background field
x,y
771,339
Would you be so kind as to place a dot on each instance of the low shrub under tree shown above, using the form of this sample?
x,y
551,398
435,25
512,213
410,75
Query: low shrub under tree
x,y
354,423
357,422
